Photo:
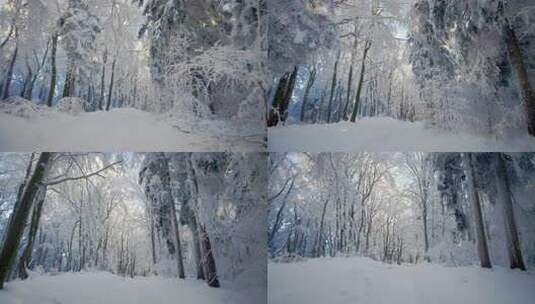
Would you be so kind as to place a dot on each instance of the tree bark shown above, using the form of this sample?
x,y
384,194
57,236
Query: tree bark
x,y
333,87
511,233
68,88
108,104
102,80
9,75
517,61
320,248
281,100
210,271
482,248
18,219
53,71
367,47
310,83
25,258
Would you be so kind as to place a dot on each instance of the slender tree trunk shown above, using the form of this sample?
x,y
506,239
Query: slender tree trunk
x,y
424,219
108,104
180,262
309,85
482,247
197,248
19,217
321,249
333,88
53,71
210,271
511,232
102,80
9,75
367,47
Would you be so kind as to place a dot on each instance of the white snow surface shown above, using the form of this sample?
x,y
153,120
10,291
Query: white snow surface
x,y
104,288
383,134
123,129
361,280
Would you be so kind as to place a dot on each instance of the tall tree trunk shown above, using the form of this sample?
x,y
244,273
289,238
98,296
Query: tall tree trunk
x,y
27,80
196,248
348,93
9,75
511,232
333,88
180,262
367,47
310,83
517,61
19,217
108,104
210,271
53,71
68,87
102,80
25,258
320,249
482,248
424,219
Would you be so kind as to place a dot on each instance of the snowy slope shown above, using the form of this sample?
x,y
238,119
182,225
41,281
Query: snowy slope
x,y
360,280
122,129
104,288
385,135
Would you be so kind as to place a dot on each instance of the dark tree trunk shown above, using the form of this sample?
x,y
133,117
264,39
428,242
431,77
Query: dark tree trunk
x,y
53,72
367,47
9,75
102,80
482,247
321,248
281,100
108,104
511,232
309,85
210,271
19,217
25,258
333,88
526,90
68,88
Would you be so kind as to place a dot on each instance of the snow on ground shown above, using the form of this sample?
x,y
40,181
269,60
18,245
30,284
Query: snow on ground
x,y
106,288
385,135
123,129
361,280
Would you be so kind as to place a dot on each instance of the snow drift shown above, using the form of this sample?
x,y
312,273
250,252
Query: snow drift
x,y
387,135
360,280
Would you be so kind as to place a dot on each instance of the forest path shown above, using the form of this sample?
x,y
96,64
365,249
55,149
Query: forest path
x,y
103,288
124,129
381,134
361,280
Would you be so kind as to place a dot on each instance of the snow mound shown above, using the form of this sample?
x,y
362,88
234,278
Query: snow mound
x,y
106,288
20,107
363,281
383,134
72,105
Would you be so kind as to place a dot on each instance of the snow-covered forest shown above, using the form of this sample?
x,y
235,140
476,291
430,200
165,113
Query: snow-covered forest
x,y
360,72
154,227
384,227
190,70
